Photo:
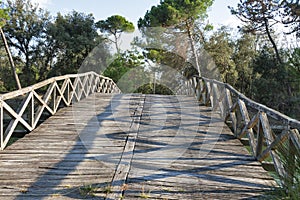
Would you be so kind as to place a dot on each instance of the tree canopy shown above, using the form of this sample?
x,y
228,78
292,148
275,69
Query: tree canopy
x,y
179,15
175,13
26,30
45,46
72,37
115,25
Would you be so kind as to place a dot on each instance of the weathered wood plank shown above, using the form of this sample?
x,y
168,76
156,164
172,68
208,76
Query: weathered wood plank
x,y
174,150
227,164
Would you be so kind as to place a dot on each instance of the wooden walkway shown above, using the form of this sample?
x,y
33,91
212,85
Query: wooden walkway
x,y
131,147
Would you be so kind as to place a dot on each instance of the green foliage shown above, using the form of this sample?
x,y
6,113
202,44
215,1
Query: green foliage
x,y
290,13
71,38
25,31
254,70
87,190
115,25
122,64
169,59
179,15
176,13
292,104
260,18
244,54
290,186
274,85
221,48
4,16
154,88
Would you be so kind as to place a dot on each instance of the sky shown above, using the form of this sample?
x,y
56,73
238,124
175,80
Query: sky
x,y
132,10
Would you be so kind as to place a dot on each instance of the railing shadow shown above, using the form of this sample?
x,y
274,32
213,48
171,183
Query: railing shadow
x,y
146,139
49,184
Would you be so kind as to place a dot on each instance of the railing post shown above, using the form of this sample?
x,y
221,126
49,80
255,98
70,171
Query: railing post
x,y
260,139
263,141
77,86
54,97
269,139
197,88
291,160
215,97
208,93
31,113
1,125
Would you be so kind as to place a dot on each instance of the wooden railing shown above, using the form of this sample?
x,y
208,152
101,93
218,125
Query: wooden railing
x,y
265,130
24,109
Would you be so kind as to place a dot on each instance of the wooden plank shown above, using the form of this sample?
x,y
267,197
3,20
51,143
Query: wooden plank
x,y
260,141
45,83
193,171
272,146
122,171
208,98
295,138
249,131
249,125
269,140
231,111
52,160
17,118
2,146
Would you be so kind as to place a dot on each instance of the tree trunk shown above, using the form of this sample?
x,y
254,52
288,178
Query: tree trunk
x,y
272,41
10,59
116,43
189,32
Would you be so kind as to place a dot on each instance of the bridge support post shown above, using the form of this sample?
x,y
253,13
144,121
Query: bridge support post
x,y
1,126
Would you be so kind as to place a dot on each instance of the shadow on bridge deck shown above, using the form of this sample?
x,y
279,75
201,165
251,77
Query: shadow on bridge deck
x,y
154,147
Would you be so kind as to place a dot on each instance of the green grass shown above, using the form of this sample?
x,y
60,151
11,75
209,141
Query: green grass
x,y
290,184
143,194
87,190
107,189
288,187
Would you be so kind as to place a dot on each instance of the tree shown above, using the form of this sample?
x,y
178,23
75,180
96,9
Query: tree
x,y
270,84
244,54
3,17
25,31
293,71
221,48
260,16
122,64
291,15
71,38
180,15
115,25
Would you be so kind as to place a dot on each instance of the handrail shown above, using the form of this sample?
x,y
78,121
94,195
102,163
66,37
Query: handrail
x,y
60,91
266,129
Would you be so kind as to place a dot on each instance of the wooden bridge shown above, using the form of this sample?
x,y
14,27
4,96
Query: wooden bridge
x,y
89,141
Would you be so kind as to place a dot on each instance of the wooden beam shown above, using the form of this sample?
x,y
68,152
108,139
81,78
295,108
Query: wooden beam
x,y
279,140
295,138
2,146
269,140
249,131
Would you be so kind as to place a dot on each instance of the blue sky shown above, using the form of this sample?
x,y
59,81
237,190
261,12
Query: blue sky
x,y
132,9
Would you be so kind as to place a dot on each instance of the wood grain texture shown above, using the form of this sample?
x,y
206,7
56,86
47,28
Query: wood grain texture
x,y
131,147
266,129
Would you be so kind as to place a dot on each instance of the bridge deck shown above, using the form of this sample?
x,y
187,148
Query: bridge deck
x,y
134,146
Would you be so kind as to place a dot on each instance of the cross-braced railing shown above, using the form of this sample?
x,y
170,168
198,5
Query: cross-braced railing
x,y
24,109
265,130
